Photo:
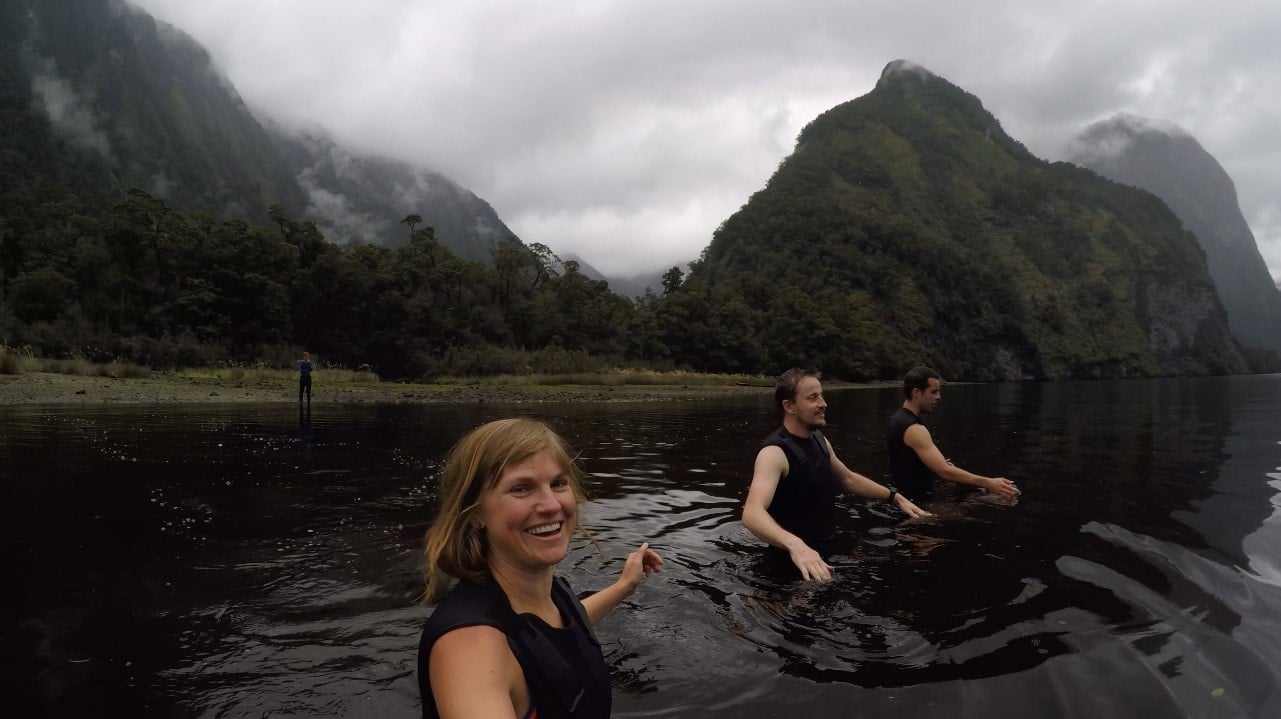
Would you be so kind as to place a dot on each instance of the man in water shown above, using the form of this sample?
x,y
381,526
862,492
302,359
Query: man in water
x,y
914,460
304,377
791,503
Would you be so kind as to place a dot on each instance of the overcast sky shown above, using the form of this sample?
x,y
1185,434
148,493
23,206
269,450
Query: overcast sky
x,y
626,131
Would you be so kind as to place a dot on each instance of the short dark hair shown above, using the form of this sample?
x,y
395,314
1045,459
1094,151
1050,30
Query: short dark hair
x,y
786,388
918,378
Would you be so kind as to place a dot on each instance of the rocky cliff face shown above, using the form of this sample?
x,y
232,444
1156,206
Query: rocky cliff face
x,y
1171,164
908,227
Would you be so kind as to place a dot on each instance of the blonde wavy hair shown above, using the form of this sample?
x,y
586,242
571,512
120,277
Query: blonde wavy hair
x,y
454,548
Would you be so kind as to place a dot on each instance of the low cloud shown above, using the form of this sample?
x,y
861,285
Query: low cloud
x,y
1111,138
653,238
335,216
70,112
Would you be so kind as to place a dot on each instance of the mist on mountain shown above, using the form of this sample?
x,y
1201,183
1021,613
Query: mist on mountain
x,y
1167,161
99,97
909,228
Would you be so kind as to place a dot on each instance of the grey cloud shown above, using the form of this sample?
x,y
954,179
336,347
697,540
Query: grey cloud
x,y
334,214
1110,138
70,112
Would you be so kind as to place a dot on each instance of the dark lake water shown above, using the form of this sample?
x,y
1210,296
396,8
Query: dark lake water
x,y
241,561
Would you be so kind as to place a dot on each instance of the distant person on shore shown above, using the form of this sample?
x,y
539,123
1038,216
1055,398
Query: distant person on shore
x,y
791,503
508,637
914,460
304,377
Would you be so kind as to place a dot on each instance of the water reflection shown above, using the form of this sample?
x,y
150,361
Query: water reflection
x,y
244,561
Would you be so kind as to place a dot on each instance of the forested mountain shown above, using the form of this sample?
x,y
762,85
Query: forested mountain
x,y
97,97
145,215
907,227
1172,165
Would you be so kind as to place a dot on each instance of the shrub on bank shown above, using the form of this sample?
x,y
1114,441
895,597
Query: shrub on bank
x,y
13,361
16,362
122,370
168,351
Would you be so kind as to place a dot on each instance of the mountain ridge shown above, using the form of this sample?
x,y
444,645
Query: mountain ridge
x,y
907,227
98,97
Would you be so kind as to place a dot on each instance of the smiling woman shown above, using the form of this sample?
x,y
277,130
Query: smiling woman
x,y
508,637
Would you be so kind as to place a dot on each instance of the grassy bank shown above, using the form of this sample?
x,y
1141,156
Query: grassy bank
x,y
614,378
14,362
267,374
28,380
235,385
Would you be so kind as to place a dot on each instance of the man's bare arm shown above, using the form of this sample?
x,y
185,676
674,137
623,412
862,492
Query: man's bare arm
x,y
918,438
855,483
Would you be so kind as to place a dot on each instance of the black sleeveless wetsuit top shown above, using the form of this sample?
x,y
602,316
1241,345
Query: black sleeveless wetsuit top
x,y
908,473
805,501
564,668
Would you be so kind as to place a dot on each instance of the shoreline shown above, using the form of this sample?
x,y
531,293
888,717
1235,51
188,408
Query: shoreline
x,y
39,388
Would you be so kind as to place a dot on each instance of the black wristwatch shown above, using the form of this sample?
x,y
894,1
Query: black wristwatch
x,y
892,493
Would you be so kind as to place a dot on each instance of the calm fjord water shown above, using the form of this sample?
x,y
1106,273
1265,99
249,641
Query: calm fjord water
x,y
243,561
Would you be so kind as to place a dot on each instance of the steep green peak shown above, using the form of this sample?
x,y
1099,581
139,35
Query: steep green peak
x,y
910,87
915,104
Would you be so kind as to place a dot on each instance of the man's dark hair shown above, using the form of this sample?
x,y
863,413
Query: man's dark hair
x,y
918,378
786,388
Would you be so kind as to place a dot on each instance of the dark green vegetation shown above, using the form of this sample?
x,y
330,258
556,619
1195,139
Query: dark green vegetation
x,y
153,285
1173,166
906,228
97,97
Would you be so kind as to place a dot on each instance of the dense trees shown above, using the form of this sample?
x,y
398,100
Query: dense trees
x,y
907,227
147,283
